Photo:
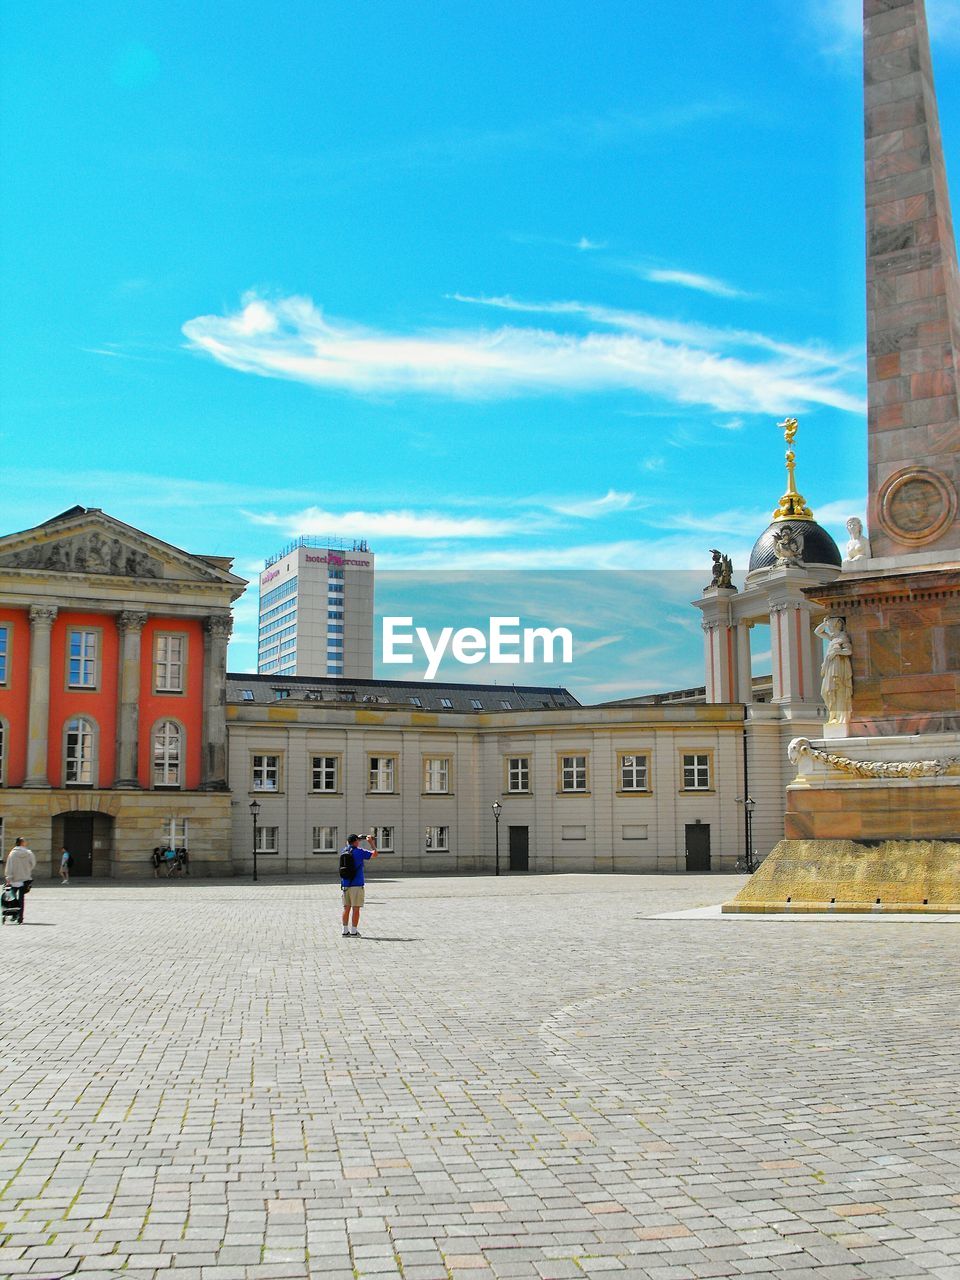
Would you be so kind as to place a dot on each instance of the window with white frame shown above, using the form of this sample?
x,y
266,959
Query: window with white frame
x,y
696,771
266,773
436,774
168,654
384,839
325,773
383,772
325,840
4,653
573,773
438,838
79,751
268,840
518,773
176,832
167,754
83,655
634,773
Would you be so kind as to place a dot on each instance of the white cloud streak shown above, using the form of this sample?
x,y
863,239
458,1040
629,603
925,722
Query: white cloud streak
x,y
692,280
291,338
316,522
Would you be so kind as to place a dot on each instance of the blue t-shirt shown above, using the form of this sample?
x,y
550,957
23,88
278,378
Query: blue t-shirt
x,y
359,857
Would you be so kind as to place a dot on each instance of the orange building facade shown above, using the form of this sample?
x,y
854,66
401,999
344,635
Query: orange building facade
x,y
112,696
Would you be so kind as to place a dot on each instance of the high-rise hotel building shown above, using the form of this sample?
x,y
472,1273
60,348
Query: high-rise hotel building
x,y
316,610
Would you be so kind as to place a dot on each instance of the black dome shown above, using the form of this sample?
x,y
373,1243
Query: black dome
x,y
818,546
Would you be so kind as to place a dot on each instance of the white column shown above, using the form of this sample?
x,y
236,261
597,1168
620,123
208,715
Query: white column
x,y
38,723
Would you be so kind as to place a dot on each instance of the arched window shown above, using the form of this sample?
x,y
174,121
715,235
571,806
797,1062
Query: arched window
x,y
167,753
80,753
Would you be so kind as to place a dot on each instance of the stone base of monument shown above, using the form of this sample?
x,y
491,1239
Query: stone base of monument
x,y
921,876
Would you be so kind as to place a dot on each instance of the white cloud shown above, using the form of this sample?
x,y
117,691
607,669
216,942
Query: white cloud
x,y
315,522
585,244
291,338
691,280
591,508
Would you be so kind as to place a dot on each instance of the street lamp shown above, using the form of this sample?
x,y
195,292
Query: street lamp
x,y
749,804
254,810
497,808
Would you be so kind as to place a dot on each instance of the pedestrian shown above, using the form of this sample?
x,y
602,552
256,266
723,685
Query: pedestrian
x,y
64,866
18,871
352,885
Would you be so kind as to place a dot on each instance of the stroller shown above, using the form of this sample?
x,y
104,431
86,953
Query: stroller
x,y
10,901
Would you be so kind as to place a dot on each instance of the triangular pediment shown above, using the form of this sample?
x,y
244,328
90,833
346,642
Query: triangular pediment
x,y
89,542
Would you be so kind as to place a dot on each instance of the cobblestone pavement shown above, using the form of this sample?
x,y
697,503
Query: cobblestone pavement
x,y
512,1078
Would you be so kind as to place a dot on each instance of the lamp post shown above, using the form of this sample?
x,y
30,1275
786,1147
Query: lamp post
x,y
254,810
497,808
749,805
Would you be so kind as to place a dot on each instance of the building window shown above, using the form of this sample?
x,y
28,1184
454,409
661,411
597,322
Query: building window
x,y
247,695
634,773
505,704
573,773
325,840
266,773
325,773
696,771
82,651
384,839
79,749
446,703
176,833
268,840
438,839
476,704
573,833
167,754
436,774
417,702
518,773
168,654
4,653
382,773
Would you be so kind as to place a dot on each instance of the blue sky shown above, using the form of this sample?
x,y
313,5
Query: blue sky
x,y
511,286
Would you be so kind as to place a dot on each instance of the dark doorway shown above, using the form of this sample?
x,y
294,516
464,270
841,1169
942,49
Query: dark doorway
x,y
87,837
698,846
519,848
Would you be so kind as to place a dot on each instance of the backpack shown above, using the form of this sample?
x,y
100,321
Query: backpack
x,y
348,868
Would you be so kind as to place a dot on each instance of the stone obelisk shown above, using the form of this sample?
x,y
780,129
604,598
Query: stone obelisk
x,y
913,294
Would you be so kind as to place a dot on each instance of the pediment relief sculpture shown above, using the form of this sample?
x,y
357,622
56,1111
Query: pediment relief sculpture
x,y
92,552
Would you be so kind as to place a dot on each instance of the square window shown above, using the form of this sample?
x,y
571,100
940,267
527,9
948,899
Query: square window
x,y
168,657
446,703
634,773
247,694
382,773
436,775
266,773
83,654
476,704
268,840
573,773
325,840
696,771
325,773
518,773
438,839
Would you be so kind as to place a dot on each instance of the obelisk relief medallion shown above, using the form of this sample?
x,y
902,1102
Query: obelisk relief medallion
x,y
915,505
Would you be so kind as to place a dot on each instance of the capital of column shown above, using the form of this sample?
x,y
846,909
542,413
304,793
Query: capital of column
x,y
131,620
42,615
219,626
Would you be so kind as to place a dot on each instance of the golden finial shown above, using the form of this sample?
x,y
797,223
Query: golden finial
x,y
792,505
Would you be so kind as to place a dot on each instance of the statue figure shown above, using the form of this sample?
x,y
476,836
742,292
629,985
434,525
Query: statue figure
x,y
722,571
858,548
836,686
788,544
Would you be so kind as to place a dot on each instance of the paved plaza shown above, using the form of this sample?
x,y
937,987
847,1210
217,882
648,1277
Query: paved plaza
x,y
504,1078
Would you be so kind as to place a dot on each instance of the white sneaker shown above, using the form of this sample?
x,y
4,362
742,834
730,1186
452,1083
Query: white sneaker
x,y
346,932
354,933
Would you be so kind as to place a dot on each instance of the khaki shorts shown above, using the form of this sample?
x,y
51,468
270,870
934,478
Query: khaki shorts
x,y
353,897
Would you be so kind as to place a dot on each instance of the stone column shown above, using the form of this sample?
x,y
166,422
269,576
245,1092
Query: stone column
x,y
721,647
38,730
130,624
216,634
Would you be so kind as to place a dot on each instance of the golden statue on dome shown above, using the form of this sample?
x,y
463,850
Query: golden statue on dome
x,y
792,506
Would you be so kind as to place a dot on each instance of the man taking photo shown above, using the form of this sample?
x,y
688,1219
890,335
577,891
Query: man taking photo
x,y
352,857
